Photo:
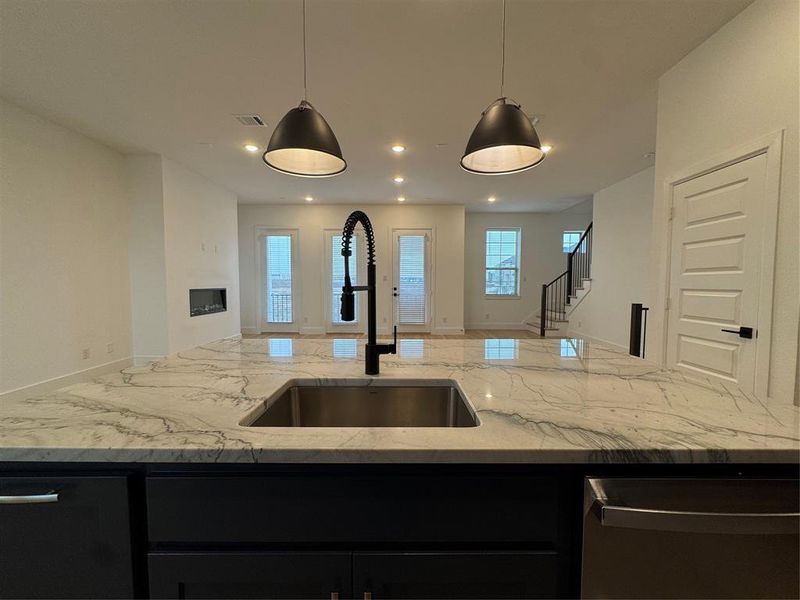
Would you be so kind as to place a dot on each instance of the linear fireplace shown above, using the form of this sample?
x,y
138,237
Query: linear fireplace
x,y
207,301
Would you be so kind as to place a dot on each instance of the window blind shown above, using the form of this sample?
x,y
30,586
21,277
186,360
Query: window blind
x,y
337,276
412,287
278,278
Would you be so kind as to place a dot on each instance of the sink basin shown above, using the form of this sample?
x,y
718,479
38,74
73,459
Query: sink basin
x,y
365,403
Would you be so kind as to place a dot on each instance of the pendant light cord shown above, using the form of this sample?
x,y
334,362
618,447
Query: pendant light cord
x,y
503,51
305,67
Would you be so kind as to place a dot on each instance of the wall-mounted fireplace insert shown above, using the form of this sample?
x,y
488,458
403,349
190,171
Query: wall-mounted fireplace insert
x,y
207,301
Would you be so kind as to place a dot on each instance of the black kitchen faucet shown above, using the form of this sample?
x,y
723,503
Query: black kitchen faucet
x,y
373,350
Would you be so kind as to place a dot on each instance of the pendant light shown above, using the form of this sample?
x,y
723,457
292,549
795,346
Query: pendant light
x,y
504,140
303,144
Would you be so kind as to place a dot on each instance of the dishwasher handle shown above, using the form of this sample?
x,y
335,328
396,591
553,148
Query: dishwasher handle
x,y
611,515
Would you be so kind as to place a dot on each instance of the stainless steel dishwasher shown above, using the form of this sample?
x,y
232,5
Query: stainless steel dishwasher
x,y
691,538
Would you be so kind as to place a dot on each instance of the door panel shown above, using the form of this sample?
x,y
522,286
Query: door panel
x,y
249,574
76,545
412,279
715,272
455,575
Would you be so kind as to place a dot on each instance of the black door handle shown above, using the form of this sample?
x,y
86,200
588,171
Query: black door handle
x,y
744,332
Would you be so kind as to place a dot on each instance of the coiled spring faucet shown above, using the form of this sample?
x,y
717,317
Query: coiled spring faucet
x,y
373,349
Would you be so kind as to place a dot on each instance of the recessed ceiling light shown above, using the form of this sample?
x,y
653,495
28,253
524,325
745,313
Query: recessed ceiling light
x,y
401,198
309,199
398,148
399,179
251,147
491,199
546,148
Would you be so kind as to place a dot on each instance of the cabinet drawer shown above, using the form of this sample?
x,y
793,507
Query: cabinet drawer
x,y
65,537
353,508
250,575
455,575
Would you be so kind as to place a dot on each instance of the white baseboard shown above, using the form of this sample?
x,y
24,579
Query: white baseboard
x,y
50,385
251,330
312,330
143,359
575,334
447,331
490,325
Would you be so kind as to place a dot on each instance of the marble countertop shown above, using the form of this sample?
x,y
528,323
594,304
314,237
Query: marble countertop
x,y
538,401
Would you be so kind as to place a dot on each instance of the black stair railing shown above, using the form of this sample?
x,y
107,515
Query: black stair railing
x,y
579,262
555,295
554,303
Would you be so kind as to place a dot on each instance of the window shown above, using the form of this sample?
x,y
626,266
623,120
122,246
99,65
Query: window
x,y
502,262
412,285
569,240
337,276
278,278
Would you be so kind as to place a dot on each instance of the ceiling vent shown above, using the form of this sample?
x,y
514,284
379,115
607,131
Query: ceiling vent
x,y
250,120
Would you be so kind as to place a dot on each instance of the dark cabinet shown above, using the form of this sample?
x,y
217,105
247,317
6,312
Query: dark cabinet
x,y
250,575
381,575
65,537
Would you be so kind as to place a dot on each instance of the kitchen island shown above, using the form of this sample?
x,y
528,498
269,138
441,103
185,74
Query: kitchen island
x,y
148,482
537,400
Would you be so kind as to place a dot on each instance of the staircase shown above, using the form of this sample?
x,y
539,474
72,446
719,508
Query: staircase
x,y
565,292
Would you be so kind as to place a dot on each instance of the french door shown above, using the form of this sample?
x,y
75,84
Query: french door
x,y
334,280
278,281
412,279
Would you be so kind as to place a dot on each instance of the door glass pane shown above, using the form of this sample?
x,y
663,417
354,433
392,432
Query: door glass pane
x,y
412,309
278,277
337,276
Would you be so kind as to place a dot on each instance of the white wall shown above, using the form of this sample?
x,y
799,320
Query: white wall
x,y
621,240
447,223
739,85
542,260
201,250
63,252
146,257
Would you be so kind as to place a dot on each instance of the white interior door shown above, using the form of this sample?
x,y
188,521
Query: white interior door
x,y
412,279
717,233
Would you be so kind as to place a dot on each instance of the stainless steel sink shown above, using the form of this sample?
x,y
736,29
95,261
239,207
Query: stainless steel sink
x,y
365,403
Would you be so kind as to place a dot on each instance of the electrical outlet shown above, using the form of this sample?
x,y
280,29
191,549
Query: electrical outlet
x,y
110,348
85,353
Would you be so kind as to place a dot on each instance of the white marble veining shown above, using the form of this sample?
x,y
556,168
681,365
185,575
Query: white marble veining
x,y
538,400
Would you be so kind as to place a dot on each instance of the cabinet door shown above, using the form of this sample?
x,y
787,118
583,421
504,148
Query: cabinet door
x,y
250,574
381,575
65,537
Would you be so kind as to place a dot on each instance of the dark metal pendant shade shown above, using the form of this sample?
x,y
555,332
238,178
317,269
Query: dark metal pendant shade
x,y
303,144
504,141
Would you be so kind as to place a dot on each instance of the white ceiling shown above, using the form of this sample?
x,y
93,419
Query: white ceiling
x,y
165,76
